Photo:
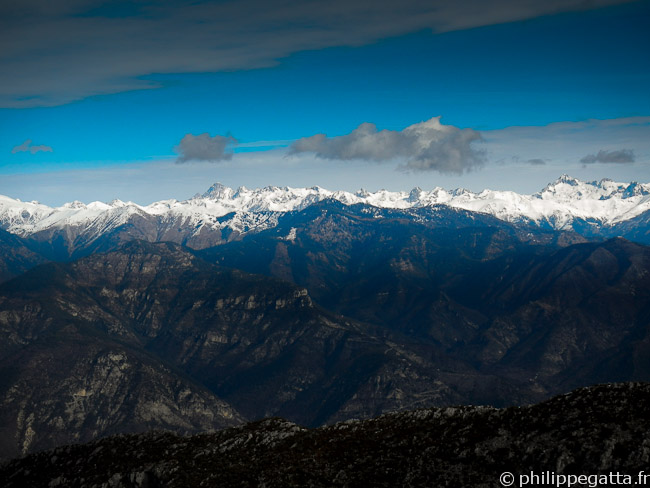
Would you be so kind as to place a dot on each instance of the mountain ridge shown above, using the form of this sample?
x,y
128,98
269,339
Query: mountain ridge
x,y
557,206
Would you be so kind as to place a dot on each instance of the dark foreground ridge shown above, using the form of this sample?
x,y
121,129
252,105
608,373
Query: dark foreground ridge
x,y
595,430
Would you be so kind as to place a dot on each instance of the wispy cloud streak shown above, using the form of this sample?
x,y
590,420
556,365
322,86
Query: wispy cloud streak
x,y
27,147
91,47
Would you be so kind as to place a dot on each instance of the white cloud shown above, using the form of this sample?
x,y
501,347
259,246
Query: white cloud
x,y
425,146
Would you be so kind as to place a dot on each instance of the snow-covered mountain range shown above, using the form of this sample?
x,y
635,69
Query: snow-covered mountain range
x,y
560,206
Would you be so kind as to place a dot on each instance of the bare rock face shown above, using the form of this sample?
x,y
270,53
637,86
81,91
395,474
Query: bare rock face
x,y
78,389
601,431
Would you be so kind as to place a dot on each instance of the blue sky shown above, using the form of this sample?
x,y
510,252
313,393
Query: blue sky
x,y
107,91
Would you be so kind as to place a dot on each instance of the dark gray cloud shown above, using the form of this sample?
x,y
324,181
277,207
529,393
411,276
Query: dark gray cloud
x,y
536,162
93,47
28,147
425,146
621,156
364,142
204,148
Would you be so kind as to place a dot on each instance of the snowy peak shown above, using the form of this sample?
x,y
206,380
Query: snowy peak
x,y
217,192
570,189
558,205
25,218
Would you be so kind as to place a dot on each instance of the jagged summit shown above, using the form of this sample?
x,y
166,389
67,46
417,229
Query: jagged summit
x,y
217,191
415,194
566,188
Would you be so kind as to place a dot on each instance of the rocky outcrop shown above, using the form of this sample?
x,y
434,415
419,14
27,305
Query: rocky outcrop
x,y
599,431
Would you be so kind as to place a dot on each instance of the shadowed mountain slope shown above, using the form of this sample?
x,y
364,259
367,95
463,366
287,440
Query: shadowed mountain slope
x,y
15,256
